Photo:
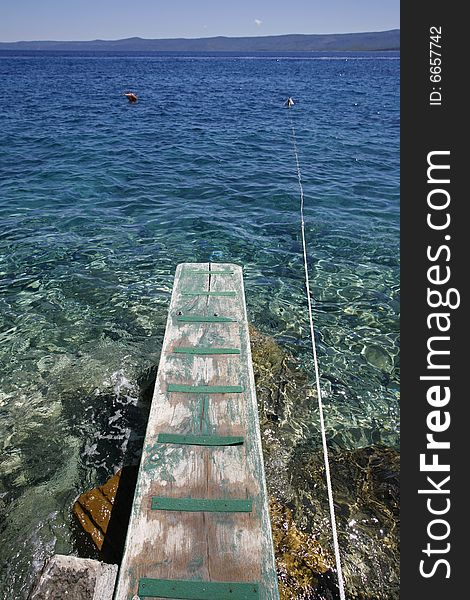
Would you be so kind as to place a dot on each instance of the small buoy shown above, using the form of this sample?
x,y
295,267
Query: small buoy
x,y
289,102
131,96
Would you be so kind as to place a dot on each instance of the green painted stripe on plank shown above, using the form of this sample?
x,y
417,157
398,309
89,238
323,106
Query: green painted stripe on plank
x,y
200,440
207,272
202,293
205,389
203,319
197,590
203,504
204,350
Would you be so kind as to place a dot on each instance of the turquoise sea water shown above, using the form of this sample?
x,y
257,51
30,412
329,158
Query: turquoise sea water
x,y
101,199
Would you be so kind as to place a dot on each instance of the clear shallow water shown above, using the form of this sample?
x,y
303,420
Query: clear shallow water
x,y
99,200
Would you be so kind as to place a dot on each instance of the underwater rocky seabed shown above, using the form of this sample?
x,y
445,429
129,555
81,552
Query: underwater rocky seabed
x,y
365,481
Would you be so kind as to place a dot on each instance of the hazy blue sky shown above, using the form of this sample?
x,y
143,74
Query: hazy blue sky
x,y
113,19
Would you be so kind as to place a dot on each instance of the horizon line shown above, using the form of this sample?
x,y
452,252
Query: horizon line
x,y
136,37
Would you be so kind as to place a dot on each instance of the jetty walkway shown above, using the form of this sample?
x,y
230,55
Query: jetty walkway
x,y
200,527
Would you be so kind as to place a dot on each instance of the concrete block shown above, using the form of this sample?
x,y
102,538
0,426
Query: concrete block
x,y
75,578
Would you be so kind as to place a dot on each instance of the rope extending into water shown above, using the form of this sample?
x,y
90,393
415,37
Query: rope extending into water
x,y
317,374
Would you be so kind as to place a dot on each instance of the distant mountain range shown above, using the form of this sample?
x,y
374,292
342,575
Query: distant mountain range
x,y
375,40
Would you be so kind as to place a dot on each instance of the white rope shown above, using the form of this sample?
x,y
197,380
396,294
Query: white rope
x,y
317,377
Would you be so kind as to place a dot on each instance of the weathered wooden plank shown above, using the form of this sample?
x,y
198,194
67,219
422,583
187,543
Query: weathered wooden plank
x,y
202,395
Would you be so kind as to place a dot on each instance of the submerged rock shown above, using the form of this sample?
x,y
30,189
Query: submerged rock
x,y
366,491
104,512
93,509
379,358
365,484
284,392
300,560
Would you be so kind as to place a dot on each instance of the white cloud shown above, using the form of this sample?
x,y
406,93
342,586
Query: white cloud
x,y
258,22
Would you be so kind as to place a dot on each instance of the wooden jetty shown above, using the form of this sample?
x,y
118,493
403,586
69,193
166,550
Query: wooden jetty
x,y
200,526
